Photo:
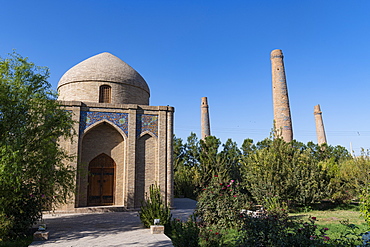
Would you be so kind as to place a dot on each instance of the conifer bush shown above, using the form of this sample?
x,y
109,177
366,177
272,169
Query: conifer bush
x,y
154,208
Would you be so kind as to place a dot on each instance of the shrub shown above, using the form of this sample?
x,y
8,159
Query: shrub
x,y
154,208
281,169
184,234
219,204
365,204
274,206
354,174
280,231
5,225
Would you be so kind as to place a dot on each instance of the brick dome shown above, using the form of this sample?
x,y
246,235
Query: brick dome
x,y
82,82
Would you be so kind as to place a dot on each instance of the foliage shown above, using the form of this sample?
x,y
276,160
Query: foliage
x,y
21,242
278,175
213,162
184,234
282,170
349,177
33,170
184,170
154,208
300,174
285,231
274,206
278,231
211,237
197,161
350,236
365,204
6,224
220,203
325,152
268,230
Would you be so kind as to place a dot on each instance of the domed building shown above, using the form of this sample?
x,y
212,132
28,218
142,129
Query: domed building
x,y
123,145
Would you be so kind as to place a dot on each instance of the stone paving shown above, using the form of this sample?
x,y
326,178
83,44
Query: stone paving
x,y
108,229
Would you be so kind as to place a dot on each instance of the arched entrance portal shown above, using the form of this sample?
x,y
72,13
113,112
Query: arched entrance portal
x,y
101,181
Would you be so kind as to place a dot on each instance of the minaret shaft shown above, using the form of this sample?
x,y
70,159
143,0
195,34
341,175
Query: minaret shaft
x,y
282,117
320,130
206,128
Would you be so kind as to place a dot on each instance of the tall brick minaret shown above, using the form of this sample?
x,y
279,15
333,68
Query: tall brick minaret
x,y
283,121
206,128
320,130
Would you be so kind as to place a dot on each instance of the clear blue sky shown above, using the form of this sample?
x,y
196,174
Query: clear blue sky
x,y
190,49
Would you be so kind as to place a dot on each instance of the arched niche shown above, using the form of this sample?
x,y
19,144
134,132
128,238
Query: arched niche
x,y
146,167
100,139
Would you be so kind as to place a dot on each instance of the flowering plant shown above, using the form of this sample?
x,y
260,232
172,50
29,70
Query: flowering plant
x,y
220,204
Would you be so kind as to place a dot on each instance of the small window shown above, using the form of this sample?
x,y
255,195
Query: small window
x,y
105,94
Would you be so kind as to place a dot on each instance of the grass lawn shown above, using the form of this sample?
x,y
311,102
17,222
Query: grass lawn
x,y
332,218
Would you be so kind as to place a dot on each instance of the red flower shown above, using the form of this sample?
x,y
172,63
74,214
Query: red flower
x,y
216,233
216,176
326,238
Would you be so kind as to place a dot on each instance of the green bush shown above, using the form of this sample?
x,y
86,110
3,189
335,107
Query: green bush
x,y
20,214
219,205
276,231
274,206
350,176
154,208
365,204
5,225
184,234
281,169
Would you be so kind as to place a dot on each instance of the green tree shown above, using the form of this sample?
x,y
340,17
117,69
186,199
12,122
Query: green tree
x,y
325,152
184,170
283,170
349,177
33,173
192,150
197,161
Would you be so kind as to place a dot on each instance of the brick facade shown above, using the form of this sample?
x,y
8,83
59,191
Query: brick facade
x,y
138,138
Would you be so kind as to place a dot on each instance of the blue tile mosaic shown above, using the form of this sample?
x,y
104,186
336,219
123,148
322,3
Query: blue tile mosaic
x,y
147,122
88,118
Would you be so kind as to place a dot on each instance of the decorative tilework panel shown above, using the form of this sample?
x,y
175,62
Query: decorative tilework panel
x,y
147,122
88,118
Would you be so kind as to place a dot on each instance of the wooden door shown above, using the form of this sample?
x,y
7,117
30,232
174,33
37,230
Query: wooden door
x,y
101,181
